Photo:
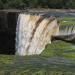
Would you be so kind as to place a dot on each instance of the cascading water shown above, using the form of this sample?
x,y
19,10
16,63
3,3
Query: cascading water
x,y
66,32
33,32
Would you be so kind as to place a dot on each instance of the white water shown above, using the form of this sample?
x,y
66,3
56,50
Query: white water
x,y
33,32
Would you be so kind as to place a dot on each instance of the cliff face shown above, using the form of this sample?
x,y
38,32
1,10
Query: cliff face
x,y
7,32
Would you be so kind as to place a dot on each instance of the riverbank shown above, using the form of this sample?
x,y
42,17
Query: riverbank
x,y
35,65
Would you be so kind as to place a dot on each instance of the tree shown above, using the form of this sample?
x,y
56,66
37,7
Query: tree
x,y
18,4
70,4
1,4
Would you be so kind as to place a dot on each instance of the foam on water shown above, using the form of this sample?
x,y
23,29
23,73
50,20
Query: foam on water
x,y
33,32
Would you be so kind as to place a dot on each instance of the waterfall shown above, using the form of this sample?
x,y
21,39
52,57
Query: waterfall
x,y
33,32
66,32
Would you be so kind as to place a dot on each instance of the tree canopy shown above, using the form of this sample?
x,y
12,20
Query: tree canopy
x,y
22,4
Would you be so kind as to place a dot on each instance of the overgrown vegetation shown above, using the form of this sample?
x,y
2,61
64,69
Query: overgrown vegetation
x,y
23,4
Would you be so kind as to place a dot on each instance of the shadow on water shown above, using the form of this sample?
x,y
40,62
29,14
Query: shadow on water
x,y
7,43
7,32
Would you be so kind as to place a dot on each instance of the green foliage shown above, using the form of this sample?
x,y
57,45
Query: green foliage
x,y
22,4
33,3
1,4
70,4
14,4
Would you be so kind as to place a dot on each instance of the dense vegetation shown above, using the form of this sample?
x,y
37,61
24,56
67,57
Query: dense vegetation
x,y
23,4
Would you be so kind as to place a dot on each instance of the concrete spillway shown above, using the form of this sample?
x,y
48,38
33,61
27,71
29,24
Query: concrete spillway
x,y
33,32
